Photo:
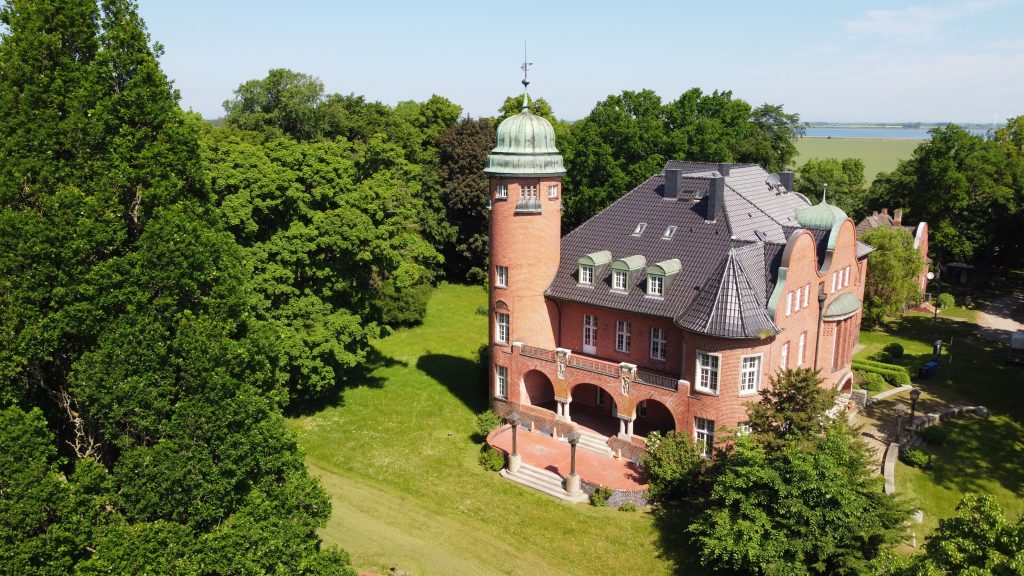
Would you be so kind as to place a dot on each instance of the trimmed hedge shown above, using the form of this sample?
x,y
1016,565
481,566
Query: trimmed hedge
x,y
894,349
871,381
892,373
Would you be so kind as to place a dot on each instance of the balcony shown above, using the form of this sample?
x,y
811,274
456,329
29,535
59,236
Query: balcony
x,y
528,206
602,367
657,380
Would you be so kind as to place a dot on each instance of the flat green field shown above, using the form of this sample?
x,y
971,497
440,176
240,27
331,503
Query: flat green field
x,y
397,456
878,154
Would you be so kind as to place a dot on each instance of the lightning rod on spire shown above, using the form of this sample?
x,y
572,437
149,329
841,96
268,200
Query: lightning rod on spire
x,y
526,82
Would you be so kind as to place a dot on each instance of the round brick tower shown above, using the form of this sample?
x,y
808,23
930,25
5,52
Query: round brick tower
x,y
525,171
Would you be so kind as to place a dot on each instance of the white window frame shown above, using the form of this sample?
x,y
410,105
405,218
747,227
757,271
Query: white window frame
x,y
784,357
801,348
659,343
639,228
704,434
528,192
501,381
501,327
589,334
743,428
501,276
586,275
807,293
669,233
553,191
789,303
623,336
599,398
835,277
501,191
620,279
710,368
846,276
655,285
750,376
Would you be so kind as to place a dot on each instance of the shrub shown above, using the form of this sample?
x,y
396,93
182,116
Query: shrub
x,y
673,464
935,435
892,373
481,310
916,457
871,381
492,459
600,496
487,421
945,300
881,356
894,349
627,507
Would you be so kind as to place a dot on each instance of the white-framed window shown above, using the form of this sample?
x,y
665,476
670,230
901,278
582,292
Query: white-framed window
x,y
501,324
835,278
528,192
807,294
743,428
655,285
789,303
750,374
669,233
586,275
784,357
707,372
800,349
619,280
639,228
704,434
589,334
846,276
501,191
501,276
599,399
501,381
659,343
553,191
622,336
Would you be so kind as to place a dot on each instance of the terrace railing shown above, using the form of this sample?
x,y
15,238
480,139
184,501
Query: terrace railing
x,y
657,380
596,366
539,353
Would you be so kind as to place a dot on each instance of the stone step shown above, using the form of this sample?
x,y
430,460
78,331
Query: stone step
x,y
596,443
542,481
840,405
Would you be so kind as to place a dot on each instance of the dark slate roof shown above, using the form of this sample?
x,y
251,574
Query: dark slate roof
x,y
727,293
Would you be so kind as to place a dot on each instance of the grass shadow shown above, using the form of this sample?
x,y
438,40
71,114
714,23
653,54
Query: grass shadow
x,y
462,377
980,449
355,377
671,522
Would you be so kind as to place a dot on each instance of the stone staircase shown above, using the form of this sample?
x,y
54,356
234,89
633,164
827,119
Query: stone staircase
x,y
839,407
543,481
594,442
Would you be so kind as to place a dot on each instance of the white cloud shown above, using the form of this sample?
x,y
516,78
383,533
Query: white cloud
x,y
919,22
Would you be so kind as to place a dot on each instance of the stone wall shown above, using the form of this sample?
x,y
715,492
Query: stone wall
x,y
619,497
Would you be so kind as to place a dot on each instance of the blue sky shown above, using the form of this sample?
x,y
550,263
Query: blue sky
x,y
959,61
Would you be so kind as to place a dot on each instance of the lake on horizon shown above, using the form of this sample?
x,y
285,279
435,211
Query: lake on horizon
x,y
873,132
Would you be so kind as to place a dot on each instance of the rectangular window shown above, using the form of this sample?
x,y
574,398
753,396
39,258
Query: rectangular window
x,y
704,434
807,293
846,276
784,357
750,374
655,285
659,343
501,191
743,428
586,275
789,303
800,350
707,372
552,192
669,233
834,278
622,336
501,381
528,192
599,399
501,334
501,276
641,409
639,228
589,334
618,280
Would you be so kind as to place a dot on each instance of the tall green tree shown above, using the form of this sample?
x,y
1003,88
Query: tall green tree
x,y
285,102
845,180
791,407
463,152
893,271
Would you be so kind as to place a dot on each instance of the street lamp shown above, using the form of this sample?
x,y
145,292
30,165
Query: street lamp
x,y
914,395
901,410
572,481
935,299
514,460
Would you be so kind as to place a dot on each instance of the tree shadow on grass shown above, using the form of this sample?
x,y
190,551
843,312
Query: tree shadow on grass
x,y
671,522
355,377
980,449
464,378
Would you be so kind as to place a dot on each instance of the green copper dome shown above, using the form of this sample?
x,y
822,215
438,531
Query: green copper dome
x,y
822,216
525,147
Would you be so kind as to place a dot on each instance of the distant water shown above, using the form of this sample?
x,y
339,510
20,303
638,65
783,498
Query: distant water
x,y
898,133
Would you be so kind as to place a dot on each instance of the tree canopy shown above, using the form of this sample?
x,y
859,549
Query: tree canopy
x,y
845,180
893,271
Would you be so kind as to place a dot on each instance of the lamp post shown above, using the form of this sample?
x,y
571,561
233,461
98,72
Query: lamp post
x,y
901,410
822,296
914,395
514,460
935,299
572,481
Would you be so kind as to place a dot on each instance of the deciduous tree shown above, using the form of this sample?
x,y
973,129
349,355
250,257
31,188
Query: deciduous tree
x,y
893,271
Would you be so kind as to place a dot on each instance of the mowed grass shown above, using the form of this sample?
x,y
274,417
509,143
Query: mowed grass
x,y
398,458
878,154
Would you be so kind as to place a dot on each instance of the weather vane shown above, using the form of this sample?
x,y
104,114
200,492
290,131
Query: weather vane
x,y
824,191
525,67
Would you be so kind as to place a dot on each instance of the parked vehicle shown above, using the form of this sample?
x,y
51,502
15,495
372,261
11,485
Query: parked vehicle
x,y
1015,354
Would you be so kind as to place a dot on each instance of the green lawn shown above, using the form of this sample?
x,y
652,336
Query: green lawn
x,y
878,154
397,456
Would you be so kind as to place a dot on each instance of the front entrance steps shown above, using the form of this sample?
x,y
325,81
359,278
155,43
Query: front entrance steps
x,y
593,442
543,481
842,400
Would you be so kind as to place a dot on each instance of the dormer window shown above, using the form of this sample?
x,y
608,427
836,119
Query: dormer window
x,y
592,265
501,192
619,280
655,285
660,275
639,228
586,275
669,233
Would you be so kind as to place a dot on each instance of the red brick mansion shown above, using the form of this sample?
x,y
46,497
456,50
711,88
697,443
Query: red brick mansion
x,y
673,307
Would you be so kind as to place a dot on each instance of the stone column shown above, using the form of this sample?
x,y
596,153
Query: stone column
x,y
572,481
629,428
565,410
622,427
515,461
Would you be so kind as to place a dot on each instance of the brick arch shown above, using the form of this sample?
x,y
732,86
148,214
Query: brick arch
x,y
658,417
845,383
501,305
537,390
585,411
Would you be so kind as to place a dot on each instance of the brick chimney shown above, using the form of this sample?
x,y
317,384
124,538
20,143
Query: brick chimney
x,y
716,198
671,184
897,217
786,179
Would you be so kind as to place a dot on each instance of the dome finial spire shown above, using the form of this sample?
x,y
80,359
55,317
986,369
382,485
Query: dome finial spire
x,y
526,82
824,191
